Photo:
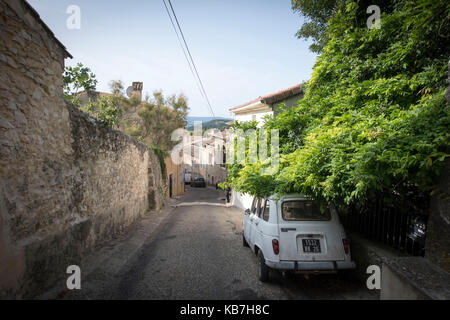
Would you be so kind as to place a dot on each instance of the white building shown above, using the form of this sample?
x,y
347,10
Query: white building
x,y
256,110
207,157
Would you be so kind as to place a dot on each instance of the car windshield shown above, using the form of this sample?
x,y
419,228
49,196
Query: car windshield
x,y
304,210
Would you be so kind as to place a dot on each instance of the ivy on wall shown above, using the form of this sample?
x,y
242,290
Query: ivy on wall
x,y
374,116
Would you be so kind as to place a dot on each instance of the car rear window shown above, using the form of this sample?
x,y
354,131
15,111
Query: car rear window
x,y
304,210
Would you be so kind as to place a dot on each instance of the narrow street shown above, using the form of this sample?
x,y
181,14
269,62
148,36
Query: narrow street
x,y
193,250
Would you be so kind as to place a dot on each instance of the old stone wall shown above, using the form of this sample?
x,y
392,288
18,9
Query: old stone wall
x,y
67,183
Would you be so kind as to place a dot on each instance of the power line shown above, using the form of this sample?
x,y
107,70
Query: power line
x,y
192,60
184,50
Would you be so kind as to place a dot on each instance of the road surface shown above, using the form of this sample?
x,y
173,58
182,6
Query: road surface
x,y
193,250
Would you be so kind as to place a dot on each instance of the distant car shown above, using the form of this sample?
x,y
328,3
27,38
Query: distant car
x,y
292,233
198,182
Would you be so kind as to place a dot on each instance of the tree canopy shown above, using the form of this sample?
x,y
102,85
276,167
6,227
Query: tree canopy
x,y
374,116
158,117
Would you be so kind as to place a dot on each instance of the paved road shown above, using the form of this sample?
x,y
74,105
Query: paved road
x,y
193,250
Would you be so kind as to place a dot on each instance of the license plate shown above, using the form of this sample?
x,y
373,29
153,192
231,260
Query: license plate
x,y
311,245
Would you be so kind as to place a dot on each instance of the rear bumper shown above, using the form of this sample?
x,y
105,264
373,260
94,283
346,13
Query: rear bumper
x,y
311,266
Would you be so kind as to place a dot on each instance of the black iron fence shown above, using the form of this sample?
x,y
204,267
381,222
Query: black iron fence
x,y
399,224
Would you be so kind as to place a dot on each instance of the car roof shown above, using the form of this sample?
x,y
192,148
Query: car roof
x,y
291,196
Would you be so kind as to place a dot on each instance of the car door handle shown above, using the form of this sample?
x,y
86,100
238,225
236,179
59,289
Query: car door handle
x,y
288,229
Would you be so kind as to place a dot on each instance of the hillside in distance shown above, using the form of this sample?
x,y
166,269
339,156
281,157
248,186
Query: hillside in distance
x,y
207,122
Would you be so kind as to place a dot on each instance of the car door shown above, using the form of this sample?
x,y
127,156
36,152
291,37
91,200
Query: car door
x,y
247,222
257,233
252,217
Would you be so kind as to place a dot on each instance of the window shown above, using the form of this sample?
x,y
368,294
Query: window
x,y
253,117
304,210
252,209
260,208
255,205
265,210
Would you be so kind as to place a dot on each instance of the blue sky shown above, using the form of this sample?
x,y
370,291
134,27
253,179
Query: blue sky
x,y
242,49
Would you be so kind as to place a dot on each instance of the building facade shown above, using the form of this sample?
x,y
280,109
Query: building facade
x,y
267,105
257,110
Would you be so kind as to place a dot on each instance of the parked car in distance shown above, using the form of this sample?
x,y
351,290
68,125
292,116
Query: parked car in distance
x,y
198,182
292,233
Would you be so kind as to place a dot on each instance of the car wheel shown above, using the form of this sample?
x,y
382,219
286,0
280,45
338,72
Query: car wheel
x,y
263,269
244,242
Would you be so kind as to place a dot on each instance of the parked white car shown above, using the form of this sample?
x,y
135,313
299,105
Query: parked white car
x,y
291,233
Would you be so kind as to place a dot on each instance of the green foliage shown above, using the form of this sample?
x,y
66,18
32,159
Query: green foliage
x,y
105,109
316,14
224,185
117,87
161,155
76,78
374,116
157,118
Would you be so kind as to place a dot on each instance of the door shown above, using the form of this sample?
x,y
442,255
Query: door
x,y
308,233
247,222
258,223
253,215
171,186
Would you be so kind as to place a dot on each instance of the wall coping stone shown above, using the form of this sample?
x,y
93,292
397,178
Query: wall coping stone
x,y
421,274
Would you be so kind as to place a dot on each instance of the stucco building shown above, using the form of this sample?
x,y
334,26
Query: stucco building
x,y
267,105
256,110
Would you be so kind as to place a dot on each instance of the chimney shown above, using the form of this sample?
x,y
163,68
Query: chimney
x,y
137,89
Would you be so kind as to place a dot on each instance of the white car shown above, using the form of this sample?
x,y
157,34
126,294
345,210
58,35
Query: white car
x,y
291,233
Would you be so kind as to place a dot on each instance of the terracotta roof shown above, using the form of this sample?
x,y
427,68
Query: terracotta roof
x,y
274,97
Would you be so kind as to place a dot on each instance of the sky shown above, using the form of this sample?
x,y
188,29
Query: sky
x,y
242,49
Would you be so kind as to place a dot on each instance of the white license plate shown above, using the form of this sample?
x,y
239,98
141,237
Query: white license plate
x,y
311,245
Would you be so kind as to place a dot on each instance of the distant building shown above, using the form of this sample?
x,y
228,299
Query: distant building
x,y
175,178
257,109
207,158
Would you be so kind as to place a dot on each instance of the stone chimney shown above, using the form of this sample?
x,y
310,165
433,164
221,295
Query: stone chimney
x,y
137,89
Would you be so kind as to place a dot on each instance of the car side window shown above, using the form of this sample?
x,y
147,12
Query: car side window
x,y
265,210
254,203
260,208
257,205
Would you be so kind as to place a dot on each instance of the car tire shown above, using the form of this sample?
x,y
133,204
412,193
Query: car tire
x,y
263,269
244,242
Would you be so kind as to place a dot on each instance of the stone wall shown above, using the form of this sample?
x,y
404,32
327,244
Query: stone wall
x,y
413,278
67,183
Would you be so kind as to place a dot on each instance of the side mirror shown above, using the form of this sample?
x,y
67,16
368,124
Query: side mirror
x,y
247,211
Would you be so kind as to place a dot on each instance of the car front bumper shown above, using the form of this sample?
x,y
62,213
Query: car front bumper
x,y
311,265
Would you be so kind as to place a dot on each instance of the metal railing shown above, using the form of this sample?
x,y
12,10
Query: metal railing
x,y
394,223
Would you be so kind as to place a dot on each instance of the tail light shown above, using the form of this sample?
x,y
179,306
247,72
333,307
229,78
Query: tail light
x,y
275,246
346,246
